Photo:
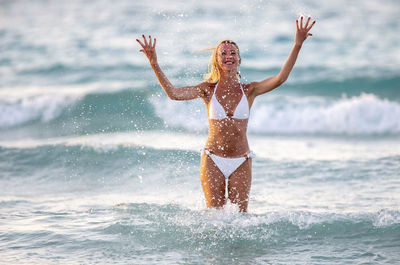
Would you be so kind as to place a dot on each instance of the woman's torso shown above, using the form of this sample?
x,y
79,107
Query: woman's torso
x,y
228,111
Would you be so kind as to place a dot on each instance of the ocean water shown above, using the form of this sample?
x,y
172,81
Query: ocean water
x,y
98,166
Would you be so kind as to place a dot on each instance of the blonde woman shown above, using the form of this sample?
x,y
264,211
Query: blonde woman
x,y
226,155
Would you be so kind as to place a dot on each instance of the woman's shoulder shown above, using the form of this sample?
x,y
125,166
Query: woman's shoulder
x,y
249,87
207,87
210,84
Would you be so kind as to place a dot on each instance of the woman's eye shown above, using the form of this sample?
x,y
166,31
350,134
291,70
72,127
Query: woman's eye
x,y
223,53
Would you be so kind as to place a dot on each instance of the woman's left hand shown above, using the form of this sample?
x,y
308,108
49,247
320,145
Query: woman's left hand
x,y
302,31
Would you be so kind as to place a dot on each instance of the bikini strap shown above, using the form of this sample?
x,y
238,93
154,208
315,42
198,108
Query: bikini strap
x,y
251,154
205,150
241,87
216,87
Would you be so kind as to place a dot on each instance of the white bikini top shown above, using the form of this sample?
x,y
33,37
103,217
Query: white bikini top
x,y
217,112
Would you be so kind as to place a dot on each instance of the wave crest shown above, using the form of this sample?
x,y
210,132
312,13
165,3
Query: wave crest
x,y
365,114
43,108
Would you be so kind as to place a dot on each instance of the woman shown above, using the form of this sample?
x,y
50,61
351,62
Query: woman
x,y
226,154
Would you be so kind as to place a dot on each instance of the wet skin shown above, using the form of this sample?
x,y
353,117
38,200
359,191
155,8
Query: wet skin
x,y
227,137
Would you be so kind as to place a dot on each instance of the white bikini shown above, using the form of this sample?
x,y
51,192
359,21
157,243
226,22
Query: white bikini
x,y
217,112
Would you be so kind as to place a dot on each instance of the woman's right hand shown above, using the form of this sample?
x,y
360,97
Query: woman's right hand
x,y
149,49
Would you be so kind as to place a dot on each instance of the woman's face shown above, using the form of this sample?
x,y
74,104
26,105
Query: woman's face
x,y
228,57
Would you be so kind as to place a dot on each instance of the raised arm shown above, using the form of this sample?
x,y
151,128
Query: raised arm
x,y
175,93
258,88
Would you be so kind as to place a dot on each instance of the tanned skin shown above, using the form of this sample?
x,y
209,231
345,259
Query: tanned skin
x,y
227,137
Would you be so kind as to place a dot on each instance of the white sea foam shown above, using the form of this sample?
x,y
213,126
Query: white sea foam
x,y
365,114
41,107
386,217
190,115
109,142
19,105
272,148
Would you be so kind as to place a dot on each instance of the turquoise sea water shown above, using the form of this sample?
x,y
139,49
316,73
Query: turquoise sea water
x,y
97,165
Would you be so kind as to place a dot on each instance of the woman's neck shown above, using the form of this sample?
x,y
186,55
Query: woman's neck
x,y
228,78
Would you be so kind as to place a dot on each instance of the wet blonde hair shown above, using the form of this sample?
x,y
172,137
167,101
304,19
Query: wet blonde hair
x,y
213,74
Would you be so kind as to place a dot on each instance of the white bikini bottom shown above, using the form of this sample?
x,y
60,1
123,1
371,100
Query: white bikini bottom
x,y
225,164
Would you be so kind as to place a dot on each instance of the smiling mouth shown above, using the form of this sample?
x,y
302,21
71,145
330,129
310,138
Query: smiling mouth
x,y
229,62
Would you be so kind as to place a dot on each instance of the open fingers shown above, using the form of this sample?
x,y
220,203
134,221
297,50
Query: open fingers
x,y
301,22
308,21
150,44
141,44
145,41
297,25
311,25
